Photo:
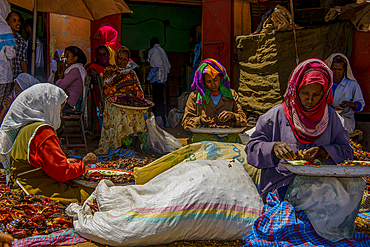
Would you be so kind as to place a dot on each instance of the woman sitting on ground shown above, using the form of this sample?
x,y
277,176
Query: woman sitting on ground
x,y
120,125
21,83
31,154
213,103
304,126
72,76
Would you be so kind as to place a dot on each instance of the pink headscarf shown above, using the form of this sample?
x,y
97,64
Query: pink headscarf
x,y
109,37
308,124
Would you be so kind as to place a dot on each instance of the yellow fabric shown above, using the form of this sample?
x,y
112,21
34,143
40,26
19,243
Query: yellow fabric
x,y
38,182
112,59
119,123
196,151
212,72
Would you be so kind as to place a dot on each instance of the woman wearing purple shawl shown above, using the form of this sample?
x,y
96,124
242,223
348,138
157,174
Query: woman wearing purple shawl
x,y
213,103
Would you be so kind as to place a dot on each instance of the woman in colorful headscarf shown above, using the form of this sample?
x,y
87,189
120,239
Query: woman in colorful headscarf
x,y
30,150
213,102
122,126
305,126
21,83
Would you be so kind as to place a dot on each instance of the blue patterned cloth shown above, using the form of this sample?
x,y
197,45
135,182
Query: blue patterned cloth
x,y
120,152
280,225
59,238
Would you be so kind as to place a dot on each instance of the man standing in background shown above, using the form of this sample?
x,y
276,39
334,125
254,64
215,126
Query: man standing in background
x,y
39,61
160,68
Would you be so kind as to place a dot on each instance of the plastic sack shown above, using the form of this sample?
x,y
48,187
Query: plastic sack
x,y
197,151
182,101
198,200
175,117
159,141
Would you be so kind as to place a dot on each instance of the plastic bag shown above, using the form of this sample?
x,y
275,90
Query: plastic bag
x,y
159,141
182,101
198,200
175,117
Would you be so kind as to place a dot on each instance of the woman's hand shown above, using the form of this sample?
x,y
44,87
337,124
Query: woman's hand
x,y
6,103
5,240
283,151
205,119
226,116
312,154
71,160
90,158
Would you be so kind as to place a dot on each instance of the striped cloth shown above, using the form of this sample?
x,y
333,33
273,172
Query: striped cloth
x,y
281,225
59,238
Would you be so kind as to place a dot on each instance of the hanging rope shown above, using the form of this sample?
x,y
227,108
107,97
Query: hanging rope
x,y
294,32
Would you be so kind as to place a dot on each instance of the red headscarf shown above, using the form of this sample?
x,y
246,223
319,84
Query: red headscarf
x,y
109,37
308,124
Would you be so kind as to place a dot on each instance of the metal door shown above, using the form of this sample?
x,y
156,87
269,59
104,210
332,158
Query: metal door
x,y
217,31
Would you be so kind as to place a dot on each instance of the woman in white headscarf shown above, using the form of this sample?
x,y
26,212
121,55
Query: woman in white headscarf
x,y
7,52
30,150
21,83
347,95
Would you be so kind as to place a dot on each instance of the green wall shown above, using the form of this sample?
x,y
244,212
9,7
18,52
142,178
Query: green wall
x,y
137,37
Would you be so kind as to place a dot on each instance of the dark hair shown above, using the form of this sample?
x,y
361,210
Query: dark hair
x,y
15,12
340,60
77,52
28,22
154,41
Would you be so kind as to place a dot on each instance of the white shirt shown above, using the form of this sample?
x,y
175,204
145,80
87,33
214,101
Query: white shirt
x,y
348,90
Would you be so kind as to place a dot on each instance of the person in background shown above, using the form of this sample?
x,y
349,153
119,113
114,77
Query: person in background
x,y
7,52
94,70
122,126
213,102
109,37
39,60
58,55
304,126
21,83
33,160
160,68
19,62
348,98
72,76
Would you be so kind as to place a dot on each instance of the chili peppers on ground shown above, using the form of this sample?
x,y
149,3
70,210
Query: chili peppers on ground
x,y
23,215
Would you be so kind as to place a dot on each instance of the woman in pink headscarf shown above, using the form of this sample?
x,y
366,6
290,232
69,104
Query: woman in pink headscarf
x,y
305,127
109,38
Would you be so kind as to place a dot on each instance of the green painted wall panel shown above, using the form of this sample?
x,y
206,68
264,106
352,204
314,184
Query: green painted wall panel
x,y
137,37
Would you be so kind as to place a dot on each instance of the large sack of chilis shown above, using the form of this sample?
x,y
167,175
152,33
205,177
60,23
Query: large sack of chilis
x,y
198,200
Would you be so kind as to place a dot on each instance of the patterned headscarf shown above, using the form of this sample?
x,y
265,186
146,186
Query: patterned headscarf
x,y
308,124
213,68
109,37
120,50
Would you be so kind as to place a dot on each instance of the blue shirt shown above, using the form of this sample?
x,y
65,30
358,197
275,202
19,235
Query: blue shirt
x,y
216,98
152,77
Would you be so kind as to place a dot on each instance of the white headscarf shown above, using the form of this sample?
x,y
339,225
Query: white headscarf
x,y
39,103
349,73
6,34
26,80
